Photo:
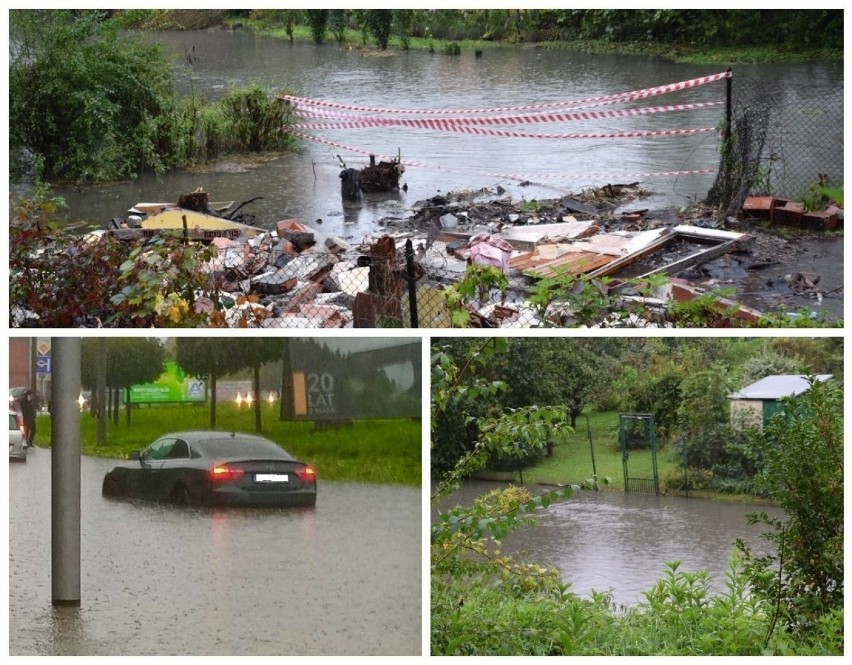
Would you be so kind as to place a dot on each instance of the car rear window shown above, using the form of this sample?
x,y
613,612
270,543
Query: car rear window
x,y
241,447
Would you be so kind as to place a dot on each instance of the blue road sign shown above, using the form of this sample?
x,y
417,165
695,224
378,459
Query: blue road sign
x,y
43,365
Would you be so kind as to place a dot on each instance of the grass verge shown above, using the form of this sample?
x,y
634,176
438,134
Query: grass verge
x,y
370,451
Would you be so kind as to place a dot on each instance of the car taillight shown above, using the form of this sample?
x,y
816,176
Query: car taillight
x,y
307,474
223,472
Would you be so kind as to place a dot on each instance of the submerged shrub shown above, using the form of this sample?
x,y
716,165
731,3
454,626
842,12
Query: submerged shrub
x,y
92,104
79,92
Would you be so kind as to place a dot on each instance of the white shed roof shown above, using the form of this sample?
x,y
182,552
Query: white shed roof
x,y
778,386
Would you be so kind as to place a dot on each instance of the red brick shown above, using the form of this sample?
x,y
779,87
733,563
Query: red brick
x,y
820,220
760,207
289,225
303,295
789,214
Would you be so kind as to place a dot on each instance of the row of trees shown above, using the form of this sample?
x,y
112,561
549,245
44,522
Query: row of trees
x,y
789,601
127,361
716,28
684,383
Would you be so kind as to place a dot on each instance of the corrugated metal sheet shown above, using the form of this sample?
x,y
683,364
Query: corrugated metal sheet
x,y
778,386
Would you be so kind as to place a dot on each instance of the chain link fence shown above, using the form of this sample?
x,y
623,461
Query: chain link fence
x,y
396,283
804,144
784,141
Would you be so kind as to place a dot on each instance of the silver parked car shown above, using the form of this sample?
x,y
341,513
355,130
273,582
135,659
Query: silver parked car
x,y
17,444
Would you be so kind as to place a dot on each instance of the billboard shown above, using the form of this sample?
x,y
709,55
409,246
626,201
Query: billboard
x,y
173,386
338,382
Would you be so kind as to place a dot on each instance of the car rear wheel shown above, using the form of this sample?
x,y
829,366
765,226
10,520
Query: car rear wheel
x,y
111,488
179,495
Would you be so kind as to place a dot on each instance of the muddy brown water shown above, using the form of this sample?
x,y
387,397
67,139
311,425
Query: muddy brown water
x,y
620,543
306,185
344,579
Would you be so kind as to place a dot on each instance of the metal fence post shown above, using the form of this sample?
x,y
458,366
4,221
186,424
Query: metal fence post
x,y
411,277
729,99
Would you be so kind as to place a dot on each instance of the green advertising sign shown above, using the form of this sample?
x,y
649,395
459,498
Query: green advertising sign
x,y
172,386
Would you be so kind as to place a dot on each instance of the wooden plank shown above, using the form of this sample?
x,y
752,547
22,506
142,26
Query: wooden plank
x,y
708,235
571,263
528,237
537,233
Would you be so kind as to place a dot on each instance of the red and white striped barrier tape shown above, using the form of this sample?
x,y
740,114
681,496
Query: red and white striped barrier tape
x,y
480,131
614,98
612,177
441,123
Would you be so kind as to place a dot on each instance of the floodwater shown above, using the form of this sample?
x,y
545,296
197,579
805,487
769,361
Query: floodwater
x,y
344,579
307,186
620,543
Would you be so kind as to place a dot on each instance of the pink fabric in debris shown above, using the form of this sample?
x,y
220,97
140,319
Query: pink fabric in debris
x,y
490,251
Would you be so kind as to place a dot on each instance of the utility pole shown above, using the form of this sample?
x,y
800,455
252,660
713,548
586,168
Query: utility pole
x,y
65,471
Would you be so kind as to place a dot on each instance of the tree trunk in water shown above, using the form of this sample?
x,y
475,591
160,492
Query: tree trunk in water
x,y
258,427
213,378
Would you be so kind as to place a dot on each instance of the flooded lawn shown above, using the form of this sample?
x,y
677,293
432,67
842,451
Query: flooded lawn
x,y
619,543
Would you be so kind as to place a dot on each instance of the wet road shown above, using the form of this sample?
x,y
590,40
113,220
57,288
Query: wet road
x,y
344,579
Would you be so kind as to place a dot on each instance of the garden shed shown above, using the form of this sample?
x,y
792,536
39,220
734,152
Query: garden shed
x,y
757,403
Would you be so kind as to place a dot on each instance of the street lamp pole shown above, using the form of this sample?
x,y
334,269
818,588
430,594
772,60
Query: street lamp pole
x,y
65,472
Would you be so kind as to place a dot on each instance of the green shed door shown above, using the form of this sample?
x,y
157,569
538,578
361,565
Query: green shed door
x,y
770,408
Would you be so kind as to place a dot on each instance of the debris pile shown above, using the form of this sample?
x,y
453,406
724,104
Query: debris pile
x,y
294,276
377,177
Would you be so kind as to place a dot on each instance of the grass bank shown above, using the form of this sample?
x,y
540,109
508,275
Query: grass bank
x,y
767,53
572,459
373,451
572,462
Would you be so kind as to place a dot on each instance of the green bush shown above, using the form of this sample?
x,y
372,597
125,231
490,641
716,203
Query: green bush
x,y
79,92
802,578
89,103
696,479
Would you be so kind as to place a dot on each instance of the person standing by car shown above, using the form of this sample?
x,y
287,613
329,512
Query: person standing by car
x,y
28,411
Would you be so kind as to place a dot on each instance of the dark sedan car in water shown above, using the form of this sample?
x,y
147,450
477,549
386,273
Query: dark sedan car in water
x,y
214,468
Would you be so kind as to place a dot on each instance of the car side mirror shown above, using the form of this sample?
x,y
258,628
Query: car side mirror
x,y
134,454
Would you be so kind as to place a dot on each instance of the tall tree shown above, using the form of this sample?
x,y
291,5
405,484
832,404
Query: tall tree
x,y
214,357
380,22
210,357
253,354
318,21
130,361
